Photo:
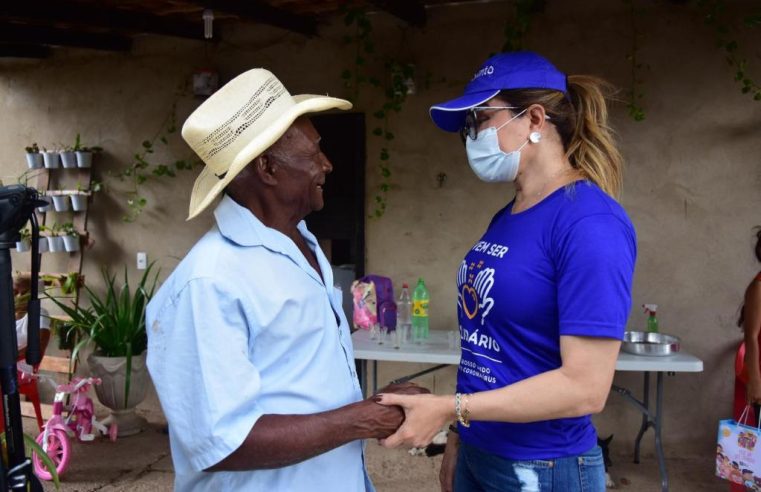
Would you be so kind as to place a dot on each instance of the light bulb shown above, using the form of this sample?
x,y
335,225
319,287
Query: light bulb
x,y
208,19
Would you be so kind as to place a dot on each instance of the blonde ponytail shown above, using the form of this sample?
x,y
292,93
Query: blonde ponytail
x,y
592,149
581,119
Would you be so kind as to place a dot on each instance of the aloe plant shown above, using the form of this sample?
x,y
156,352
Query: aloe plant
x,y
114,322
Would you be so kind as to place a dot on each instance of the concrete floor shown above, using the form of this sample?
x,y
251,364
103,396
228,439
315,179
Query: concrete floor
x,y
143,463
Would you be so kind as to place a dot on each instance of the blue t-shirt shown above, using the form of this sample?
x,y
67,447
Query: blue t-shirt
x,y
562,267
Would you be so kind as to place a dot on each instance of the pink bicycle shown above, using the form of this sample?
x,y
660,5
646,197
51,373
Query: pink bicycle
x,y
79,422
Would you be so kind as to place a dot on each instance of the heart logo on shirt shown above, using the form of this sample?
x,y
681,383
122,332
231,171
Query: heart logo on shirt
x,y
469,298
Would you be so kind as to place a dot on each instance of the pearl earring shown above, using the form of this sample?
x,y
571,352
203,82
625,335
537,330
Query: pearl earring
x,y
535,137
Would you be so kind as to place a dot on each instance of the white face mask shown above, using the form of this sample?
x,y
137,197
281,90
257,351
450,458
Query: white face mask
x,y
488,161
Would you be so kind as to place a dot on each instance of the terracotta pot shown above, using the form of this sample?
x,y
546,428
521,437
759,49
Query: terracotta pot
x,y
113,371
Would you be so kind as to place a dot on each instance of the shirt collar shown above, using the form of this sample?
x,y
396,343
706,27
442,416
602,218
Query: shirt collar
x,y
242,227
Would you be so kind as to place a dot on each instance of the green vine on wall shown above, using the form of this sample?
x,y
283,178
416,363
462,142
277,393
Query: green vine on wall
x,y
396,95
144,167
517,26
635,94
399,76
714,17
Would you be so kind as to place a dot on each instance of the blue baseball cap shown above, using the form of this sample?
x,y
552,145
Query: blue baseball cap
x,y
514,70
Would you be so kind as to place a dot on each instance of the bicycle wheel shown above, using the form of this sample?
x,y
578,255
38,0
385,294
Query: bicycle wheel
x,y
59,451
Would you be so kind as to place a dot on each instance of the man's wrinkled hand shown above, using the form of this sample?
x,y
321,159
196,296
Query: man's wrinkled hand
x,y
381,421
405,389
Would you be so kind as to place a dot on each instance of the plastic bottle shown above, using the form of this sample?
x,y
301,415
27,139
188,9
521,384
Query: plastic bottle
x,y
420,299
652,321
404,312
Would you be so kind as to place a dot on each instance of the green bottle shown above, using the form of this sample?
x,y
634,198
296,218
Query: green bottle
x,y
652,321
420,299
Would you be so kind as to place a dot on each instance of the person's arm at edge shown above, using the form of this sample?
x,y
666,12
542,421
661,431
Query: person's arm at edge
x,y
751,330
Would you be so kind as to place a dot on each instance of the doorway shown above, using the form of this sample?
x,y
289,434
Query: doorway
x,y
340,225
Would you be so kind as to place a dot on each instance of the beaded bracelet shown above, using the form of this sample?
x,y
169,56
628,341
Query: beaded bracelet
x,y
461,408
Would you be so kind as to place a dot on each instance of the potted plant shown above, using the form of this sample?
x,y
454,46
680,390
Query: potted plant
x,y
70,237
84,154
43,244
33,156
68,157
47,207
80,198
61,201
114,324
24,243
50,158
67,282
55,241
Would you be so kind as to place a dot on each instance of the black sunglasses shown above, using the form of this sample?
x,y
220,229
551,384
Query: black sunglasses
x,y
470,129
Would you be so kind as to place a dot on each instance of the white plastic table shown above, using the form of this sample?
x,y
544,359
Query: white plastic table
x,y
443,349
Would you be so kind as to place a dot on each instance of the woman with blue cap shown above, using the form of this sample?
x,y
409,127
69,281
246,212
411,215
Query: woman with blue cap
x,y
543,296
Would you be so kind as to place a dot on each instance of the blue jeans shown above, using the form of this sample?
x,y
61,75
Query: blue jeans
x,y
479,471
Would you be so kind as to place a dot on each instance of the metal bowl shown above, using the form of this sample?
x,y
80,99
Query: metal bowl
x,y
650,344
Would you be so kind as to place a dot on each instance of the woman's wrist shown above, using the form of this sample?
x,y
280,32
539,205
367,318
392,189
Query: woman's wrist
x,y
449,406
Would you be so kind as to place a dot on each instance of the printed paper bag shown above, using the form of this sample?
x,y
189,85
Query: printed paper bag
x,y
738,453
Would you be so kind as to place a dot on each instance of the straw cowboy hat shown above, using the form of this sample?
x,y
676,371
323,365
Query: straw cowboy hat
x,y
238,123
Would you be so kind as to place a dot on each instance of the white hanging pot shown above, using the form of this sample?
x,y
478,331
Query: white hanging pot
x,y
79,202
50,159
34,160
84,159
23,246
55,244
69,159
71,243
47,207
43,245
61,203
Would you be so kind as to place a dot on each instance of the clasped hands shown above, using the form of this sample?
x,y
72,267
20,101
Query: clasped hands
x,y
418,415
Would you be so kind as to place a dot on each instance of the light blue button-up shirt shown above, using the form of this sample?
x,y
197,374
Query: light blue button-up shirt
x,y
244,327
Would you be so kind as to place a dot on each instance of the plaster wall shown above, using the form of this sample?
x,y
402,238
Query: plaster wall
x,y
691,185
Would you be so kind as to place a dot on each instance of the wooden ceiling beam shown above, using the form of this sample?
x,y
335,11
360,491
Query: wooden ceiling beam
x,y
47,12
35,35
23,51
410,11
261,12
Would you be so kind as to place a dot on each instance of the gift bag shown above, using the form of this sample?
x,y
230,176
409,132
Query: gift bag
x,y
738,453
373,298
365,305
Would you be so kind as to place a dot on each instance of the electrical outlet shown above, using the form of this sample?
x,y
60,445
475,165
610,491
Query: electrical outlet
x,y
142,260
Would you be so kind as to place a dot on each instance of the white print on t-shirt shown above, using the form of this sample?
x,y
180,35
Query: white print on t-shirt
x,y
474,289
472,369
479,340
491,249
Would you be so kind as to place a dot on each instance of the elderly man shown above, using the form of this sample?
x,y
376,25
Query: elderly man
x,y
248,345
